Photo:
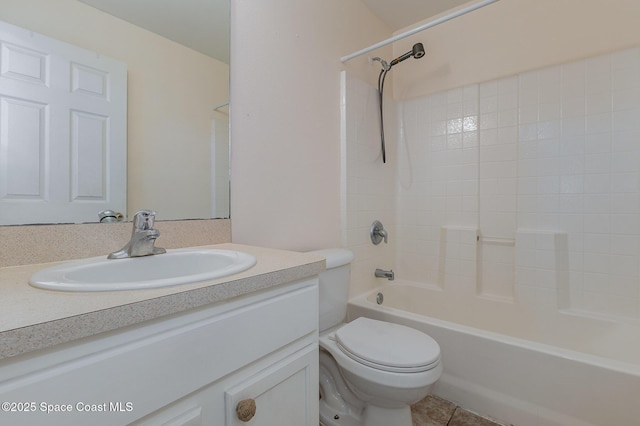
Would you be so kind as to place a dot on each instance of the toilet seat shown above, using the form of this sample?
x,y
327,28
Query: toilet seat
x,y
387,346
373,382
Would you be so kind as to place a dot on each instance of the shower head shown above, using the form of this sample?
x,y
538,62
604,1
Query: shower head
x,y
417,52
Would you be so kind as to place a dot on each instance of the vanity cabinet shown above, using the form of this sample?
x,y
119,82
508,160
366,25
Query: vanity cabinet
x,y
257,351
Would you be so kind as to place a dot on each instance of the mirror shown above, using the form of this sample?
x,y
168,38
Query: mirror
x,y
177,57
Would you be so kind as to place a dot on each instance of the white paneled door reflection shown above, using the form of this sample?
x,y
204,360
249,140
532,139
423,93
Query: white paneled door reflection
x,y
63,129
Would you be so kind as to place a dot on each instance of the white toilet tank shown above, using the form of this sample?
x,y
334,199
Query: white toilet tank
x,y
334,287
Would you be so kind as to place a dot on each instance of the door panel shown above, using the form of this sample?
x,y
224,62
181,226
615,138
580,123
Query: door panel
x,y
63,126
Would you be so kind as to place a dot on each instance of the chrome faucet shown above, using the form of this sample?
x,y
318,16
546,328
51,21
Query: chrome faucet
x,y
381,273
143,237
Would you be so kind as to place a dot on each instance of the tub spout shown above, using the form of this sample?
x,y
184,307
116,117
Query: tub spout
x,y
381,273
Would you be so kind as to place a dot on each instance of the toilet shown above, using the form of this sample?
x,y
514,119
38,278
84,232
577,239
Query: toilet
x,y
370,371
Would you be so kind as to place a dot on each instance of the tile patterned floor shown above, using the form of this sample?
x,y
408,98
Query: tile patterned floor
x,y
434,411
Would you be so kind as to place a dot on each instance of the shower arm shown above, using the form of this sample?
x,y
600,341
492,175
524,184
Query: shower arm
x,y
416,30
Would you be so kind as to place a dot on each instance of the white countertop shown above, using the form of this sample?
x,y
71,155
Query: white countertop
x,y
32,318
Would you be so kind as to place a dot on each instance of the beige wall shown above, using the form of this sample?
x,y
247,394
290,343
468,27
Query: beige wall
x,y
285,121
171,94
512,36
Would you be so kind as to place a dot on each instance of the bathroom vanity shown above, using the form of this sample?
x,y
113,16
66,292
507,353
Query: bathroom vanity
x,y
224,352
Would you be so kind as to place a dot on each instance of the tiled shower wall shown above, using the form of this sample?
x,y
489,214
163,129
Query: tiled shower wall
x,y
524,189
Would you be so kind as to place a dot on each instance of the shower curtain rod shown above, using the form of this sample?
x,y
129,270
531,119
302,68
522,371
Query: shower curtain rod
x,y
423,27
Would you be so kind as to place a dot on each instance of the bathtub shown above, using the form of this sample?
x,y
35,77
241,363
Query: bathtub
x,y
519,367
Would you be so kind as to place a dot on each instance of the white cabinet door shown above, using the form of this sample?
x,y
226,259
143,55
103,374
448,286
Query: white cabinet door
x,y
196,409
285,393
63,131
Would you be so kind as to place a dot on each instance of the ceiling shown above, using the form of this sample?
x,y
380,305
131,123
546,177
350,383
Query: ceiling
x,y
204,25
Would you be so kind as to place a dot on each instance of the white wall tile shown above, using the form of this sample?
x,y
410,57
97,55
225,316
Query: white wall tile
x,y
555,150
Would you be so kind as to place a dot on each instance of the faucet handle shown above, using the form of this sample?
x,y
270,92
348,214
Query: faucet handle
x,y
143,220
378,233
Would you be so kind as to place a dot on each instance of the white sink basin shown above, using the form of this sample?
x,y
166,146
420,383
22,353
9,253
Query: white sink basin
x,y
182,266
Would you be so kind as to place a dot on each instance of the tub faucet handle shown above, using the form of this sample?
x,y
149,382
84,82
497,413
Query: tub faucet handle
x,y
378,233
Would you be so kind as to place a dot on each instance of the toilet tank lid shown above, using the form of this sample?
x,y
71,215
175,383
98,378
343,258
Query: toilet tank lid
x,y
335,256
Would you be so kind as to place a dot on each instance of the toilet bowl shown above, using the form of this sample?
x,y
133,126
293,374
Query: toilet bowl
x,y
370,370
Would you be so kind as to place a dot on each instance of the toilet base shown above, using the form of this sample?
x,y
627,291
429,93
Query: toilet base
x,y
336,414
380,416
335,410
371,416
